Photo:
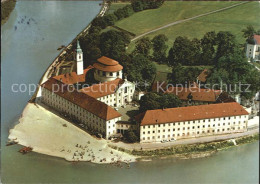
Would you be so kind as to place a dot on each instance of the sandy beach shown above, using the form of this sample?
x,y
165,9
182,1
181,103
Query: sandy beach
x,y
49,134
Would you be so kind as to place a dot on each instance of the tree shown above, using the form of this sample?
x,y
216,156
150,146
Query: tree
x,y
119,13
184,51
137,6
110,19
226,44
141,70
143,46
100,22
208,43
113,43
128,11
151,101
131,136
159,48
249,32
183,75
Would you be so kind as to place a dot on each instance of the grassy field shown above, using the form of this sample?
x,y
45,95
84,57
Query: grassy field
x,y
170,11
233,20
115,6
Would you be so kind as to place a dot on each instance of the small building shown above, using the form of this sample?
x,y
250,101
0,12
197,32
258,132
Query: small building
x,y
193,121
195,96
253,48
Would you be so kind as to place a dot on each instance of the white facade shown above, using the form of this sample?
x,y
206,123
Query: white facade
x,y
102,76
91,121
79,60
253,52
191,129
123,95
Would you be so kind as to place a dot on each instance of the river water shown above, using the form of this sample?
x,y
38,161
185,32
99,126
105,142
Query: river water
x,y
27,50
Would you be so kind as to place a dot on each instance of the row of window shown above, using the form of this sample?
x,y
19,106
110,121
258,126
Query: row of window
x,y
190,122
193,127
193,133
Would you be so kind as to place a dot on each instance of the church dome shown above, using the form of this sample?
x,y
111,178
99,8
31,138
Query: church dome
x,y
107,65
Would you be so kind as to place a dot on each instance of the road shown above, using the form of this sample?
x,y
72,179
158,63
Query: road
x,y
149,146
185,20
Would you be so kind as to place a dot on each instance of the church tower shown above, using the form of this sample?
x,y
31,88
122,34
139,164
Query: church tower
x,y
79,59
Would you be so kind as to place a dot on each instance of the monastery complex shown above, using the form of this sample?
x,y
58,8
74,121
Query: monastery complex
x,y
204,111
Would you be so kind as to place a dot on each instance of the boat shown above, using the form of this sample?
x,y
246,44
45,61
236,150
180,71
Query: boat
x,y
25,150
11,143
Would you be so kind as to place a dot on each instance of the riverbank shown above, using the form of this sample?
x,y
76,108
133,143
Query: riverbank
x,y
189,151
49,134
7,7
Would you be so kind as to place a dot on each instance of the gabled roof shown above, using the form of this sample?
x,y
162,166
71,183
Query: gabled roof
x,y
257,39
203,75
73,78
198,94
92,105
103,89
180,114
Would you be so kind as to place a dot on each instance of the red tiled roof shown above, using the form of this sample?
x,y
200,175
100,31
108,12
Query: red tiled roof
x,y
257,39
190,113
103,89
203,75
106,68
107,65
107,61
72,78
198,94
92,105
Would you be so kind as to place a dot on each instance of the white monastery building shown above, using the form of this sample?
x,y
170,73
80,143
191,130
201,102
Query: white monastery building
x,y
253,48
193,121
91,106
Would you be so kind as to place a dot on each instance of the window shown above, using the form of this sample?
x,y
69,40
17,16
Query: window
x,y
125,89
193,127
178,128
183,128
153,131
104,73
169,130
174,129
158,131
117,73
148,132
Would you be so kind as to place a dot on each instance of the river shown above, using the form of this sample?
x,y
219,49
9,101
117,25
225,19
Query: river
x,y
27,50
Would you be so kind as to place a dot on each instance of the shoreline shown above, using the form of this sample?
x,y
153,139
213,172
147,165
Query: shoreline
x,y
184,151
51,137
